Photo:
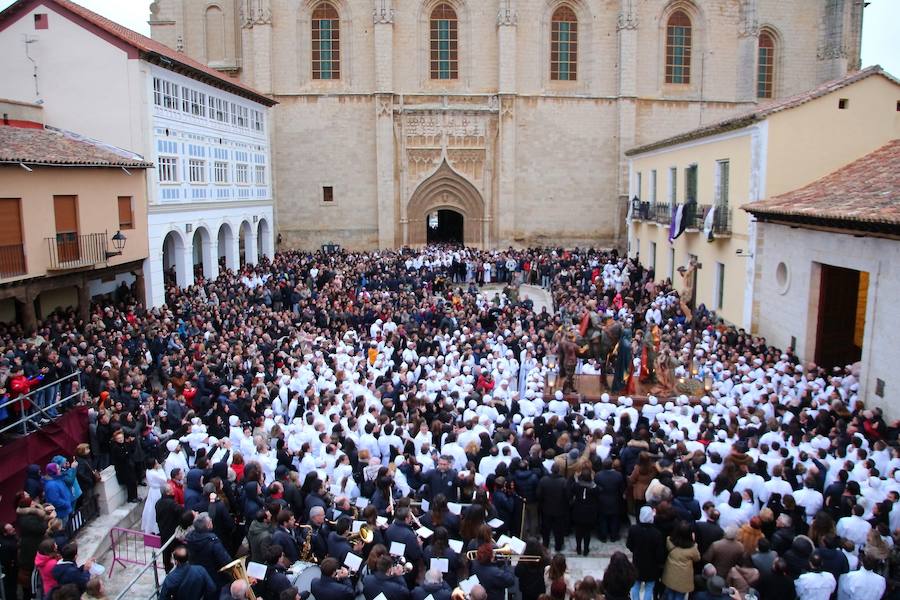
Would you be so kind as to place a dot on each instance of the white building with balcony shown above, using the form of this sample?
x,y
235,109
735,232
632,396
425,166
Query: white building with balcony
x,y
210,199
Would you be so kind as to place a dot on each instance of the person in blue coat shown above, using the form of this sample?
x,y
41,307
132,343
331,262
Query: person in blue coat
x,y
187,581
334,584
387,579
495,579
67,571
207,550
434,586
58,493
401,531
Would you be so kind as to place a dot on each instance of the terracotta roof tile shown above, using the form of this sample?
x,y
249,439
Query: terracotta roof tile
x,y
864,191
764,110
149,46
54,147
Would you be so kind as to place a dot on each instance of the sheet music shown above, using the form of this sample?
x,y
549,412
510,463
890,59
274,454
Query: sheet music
x,y
397,549
256,570
352,561
441,564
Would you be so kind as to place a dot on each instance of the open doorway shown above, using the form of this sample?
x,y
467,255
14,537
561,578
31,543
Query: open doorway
x,y
843,295
445,226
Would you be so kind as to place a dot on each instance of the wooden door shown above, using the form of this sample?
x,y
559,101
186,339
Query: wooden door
x,y
838,298
12,254
65,210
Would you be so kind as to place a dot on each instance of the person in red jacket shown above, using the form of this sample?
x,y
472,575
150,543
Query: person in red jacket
x,y
19,385
190,392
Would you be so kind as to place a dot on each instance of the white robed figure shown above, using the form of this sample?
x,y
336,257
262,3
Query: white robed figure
x,y
156,480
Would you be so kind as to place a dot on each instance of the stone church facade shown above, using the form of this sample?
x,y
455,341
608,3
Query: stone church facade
x,y
515,114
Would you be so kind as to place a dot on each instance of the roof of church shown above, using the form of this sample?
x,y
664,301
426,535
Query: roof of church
x,y
863,195
762,111
147,48
42,146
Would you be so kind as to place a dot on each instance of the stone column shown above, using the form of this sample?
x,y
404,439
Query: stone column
x,y
383,23
84,300
505,203
140,286
29,317
250,256
506,38
748,50
626,28
209,252
184,264
233,251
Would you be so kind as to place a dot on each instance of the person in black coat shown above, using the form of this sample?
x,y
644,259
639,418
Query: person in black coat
x,y
495,579
648,550
707,532
585,501
284,535
439,547
434,586
612,489
553,496
276,579
122,451
441,480
168,516
439,515
387,579
206,550
334,584
531,574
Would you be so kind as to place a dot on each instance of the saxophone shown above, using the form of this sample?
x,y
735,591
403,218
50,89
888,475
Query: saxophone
x,y
306,554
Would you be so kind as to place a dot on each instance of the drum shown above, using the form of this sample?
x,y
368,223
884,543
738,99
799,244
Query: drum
x,y
302,575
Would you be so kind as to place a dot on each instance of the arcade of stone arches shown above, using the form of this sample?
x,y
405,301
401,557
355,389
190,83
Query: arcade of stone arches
x,y
203,254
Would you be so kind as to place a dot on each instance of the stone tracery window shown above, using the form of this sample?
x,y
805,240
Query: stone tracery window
x,y
564,45
678,48
765,75
444,42
326,42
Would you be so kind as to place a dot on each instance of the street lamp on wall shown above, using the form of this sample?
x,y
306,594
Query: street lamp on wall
x,y
118,240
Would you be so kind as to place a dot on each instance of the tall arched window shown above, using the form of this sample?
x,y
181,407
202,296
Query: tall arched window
x,y
564,45
765,74
326,42
678,48
444,42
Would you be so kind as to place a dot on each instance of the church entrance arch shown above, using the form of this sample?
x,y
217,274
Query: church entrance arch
x,y
449,196
445,226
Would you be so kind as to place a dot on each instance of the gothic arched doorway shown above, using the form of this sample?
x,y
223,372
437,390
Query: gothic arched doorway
x,y
445,226
450,196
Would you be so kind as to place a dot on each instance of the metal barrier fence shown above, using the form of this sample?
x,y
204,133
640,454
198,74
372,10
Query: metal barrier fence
x,y
131,547
31,411
87,512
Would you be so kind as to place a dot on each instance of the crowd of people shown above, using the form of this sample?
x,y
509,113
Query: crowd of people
x,y
383,417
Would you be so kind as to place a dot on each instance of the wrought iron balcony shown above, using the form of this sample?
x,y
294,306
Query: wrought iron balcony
x,y
12,260
662,213
640,211
722,222
75,251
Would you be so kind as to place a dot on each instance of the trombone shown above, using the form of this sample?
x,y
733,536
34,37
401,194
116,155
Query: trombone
x,y
505,554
